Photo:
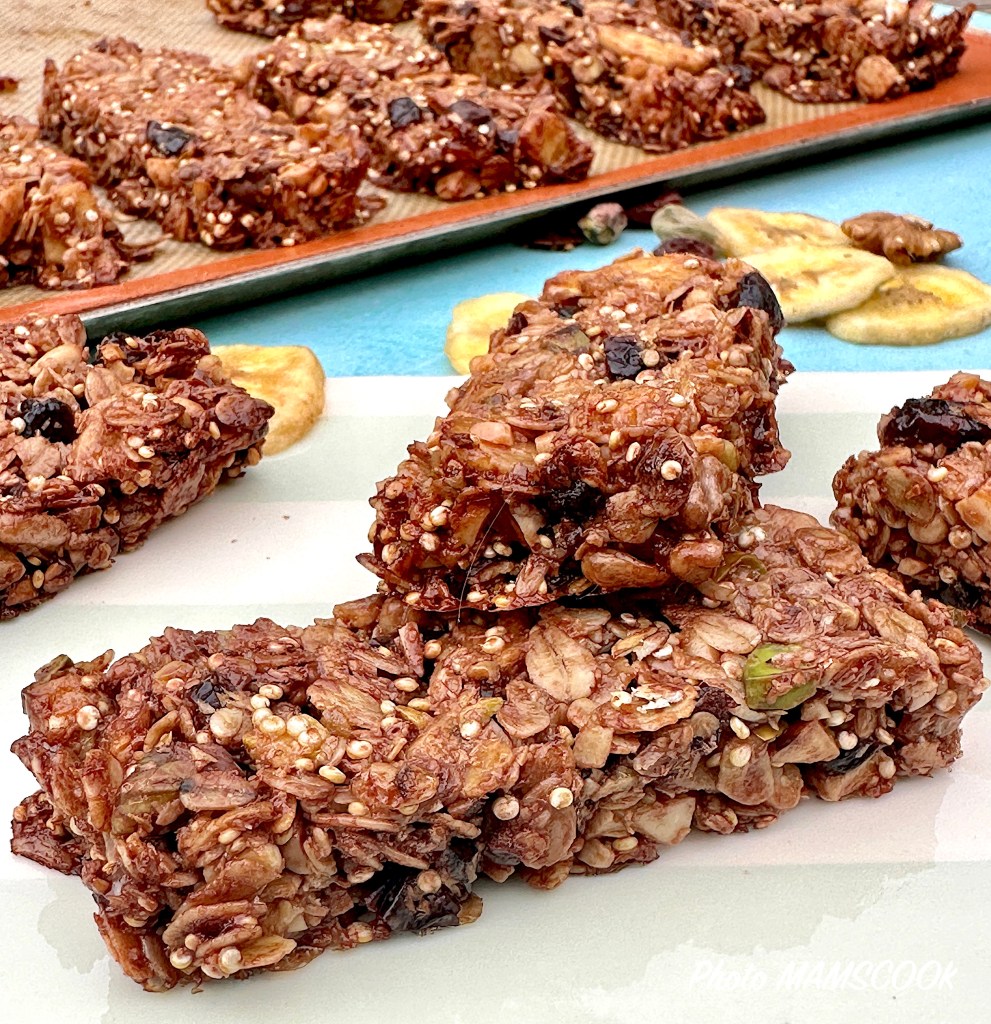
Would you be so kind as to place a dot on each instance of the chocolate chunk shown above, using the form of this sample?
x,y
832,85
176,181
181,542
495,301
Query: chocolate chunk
x,y
168,139
850,759
933,421
623,356
403,112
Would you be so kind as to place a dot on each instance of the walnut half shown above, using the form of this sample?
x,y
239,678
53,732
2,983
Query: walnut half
x,y
901,239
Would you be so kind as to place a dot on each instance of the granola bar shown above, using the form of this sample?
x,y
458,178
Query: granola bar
x,y
273,17
98,447
53,231
174,138
428,129
244,800
921,505
603,440
827,51
614,66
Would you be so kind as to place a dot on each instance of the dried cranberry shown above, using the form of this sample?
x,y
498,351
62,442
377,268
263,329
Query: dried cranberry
x,y
471,112
169,140
933,421
48,418
403,112
756,293
689,246
623,356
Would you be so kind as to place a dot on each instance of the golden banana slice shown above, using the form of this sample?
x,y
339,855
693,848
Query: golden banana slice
x,y
814,281
472,323
288,377
743,231
919,306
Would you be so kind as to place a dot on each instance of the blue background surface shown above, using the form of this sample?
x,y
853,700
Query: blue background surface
x,y
394,322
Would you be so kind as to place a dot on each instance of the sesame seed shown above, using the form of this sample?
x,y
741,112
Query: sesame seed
x,y
412,597
606,405
561,797
304,764
259,716
272,725
884,736
633,452
258,701
332,774
470,730
359,749
625,844
357,808
226,723
739,757
145,452
180,959
886,768
406,683
419,704
230,960
671,469
428,881
836,718
228,836
431,650
271,690
37,579
214,430
439,516
739,728
678,401
493,645
475,596
937,473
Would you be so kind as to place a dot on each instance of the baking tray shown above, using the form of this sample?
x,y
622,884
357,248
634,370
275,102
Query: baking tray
x,y
186,279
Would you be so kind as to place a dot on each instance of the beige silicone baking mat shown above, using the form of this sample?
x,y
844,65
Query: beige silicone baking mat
x,y
33,30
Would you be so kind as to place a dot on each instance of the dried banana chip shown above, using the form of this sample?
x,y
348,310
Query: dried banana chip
x,y
472,323
919,306
743,231
814,281
290,378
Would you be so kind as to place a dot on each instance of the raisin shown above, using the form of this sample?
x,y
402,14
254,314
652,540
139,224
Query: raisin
x,y
566,310
516,323
847,760
742,75
640,211
623,356
403,112
552,34
689,246
471,112
961,594
507,137
933,421
169,140
575,6
577,502
716,701
756,293
48,418
206,693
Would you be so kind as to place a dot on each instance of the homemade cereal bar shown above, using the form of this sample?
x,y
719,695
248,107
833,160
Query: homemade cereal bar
x,y
173,138
243,800
826,51
53,231
612,65
602,442
428,129
921,506
273,17
98,447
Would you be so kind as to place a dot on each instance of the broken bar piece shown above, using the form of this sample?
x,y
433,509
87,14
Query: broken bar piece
x,y
99,446
273,17
243,800
611,430
173,138
921,505
54,233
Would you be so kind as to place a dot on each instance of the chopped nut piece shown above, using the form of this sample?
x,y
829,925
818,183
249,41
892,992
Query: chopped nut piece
x,y
903,239
604,223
